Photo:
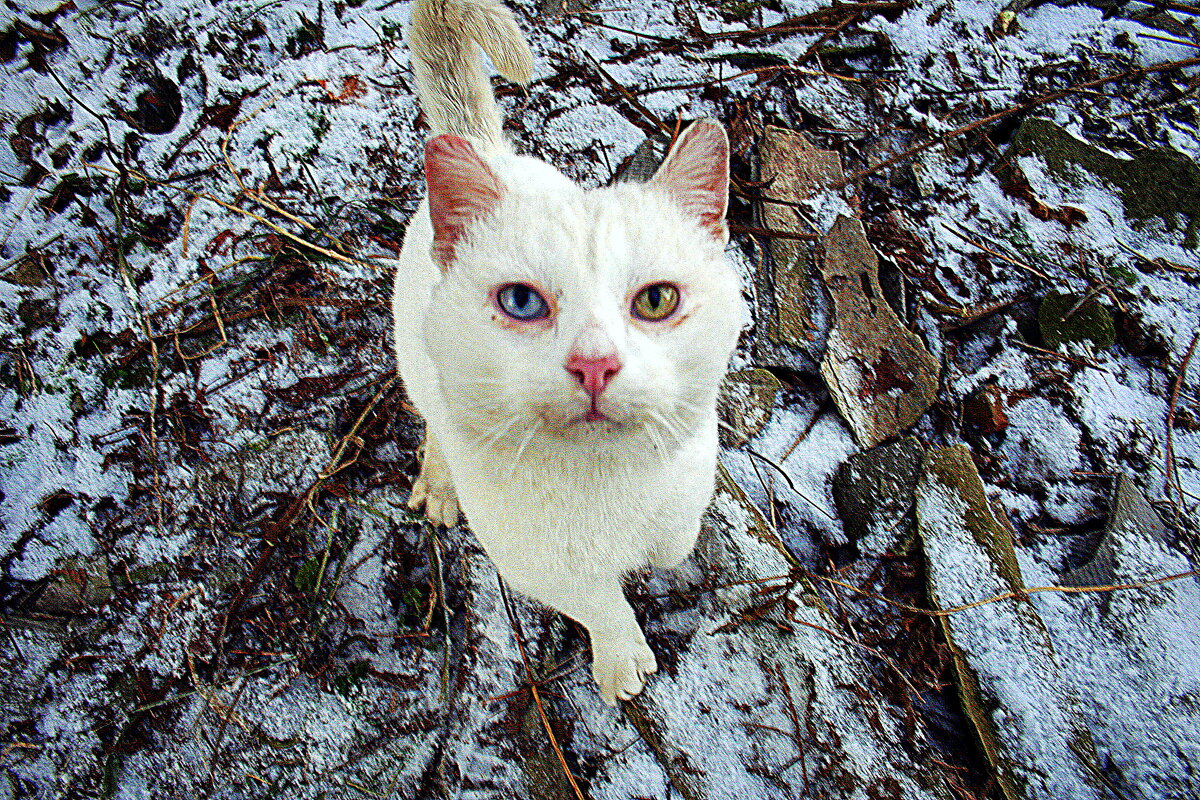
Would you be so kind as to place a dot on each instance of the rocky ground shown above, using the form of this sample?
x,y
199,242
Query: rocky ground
x,y
951,553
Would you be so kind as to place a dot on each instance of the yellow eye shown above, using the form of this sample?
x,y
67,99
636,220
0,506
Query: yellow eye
x,y
656,302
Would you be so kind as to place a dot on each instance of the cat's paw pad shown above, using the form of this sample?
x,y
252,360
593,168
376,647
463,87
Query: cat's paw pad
x,y
621,669
439,501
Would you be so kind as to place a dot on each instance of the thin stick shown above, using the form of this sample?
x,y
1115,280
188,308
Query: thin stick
x,y
1183,42
17,217
293,511
229,206
1172,471
628,95
237,124
1010,111
1014,595
878,654
829,35
202,278
788,479
1170,5
537,698
812,423
796,736
997,254
1159,264
216,751
1044,353
440,585
667,87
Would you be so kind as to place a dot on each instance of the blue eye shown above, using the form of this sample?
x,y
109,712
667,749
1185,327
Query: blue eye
x,y
522,302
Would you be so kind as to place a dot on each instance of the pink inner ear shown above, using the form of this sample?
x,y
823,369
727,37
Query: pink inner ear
x,y
696,174
462,188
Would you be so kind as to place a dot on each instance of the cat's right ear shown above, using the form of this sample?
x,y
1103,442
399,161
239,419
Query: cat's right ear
x,y
462,188
696,174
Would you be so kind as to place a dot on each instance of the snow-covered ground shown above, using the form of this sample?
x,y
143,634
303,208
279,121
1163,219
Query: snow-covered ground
x,y
210,587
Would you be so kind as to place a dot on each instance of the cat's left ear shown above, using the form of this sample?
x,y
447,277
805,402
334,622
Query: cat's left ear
x,y
696,174
462,188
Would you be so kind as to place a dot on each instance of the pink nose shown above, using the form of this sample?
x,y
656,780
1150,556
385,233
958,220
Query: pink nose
x,y
593,374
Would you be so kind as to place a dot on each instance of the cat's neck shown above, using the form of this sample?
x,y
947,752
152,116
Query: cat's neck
x,y
595,459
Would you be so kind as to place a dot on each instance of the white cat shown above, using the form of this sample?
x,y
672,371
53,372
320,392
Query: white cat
x,y
564,345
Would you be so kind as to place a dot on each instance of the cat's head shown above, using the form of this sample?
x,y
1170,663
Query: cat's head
x,y
599,319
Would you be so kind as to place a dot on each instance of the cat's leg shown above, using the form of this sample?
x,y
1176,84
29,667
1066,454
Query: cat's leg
x,y
673,548
433,488
621,659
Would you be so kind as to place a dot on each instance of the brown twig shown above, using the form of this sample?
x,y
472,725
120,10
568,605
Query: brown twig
x,y
1010,111
1044,353
1007,259
1022,594
669,87
272,535
1172,470
753,613
969,316
629,96
1158,263
812,423
877,653
216,748
825,37
1170,39
537,698
660,39
795,735
1170,5
230,207
787,26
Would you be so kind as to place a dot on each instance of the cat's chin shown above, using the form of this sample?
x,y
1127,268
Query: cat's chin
x,y
589,425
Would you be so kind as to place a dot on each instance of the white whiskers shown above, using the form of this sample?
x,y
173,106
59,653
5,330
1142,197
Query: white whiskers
x,y
498,431
537,423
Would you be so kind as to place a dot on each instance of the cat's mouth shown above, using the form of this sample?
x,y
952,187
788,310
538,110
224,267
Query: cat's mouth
x,y
593,417
586,421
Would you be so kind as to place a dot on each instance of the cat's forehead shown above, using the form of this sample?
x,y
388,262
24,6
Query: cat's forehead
x,y
609,232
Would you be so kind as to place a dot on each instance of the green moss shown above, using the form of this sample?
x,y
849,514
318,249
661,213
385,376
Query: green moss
x,y
1121,274
739,10
1155,182
149,573
306,577
132,376
355,671
1063,318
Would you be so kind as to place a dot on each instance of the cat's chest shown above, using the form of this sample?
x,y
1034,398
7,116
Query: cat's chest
x,y
582,514
564,537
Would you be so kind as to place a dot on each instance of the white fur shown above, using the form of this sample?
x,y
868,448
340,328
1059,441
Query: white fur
x,y
566,508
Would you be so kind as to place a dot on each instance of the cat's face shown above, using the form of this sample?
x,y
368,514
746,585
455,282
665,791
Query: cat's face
x,y
599,318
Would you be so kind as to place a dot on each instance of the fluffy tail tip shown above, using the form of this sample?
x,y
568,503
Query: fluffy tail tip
x,y
500,37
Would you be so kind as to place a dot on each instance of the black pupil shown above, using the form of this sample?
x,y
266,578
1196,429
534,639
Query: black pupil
x,y
654,296
521,298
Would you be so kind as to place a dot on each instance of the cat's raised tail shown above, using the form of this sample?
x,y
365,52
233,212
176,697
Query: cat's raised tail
x,y
455,92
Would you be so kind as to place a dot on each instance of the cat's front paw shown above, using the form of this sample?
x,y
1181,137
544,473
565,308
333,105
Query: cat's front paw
x,y
439,500
621,668
434,489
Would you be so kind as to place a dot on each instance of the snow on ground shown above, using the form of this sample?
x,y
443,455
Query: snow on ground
x,y
210,587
